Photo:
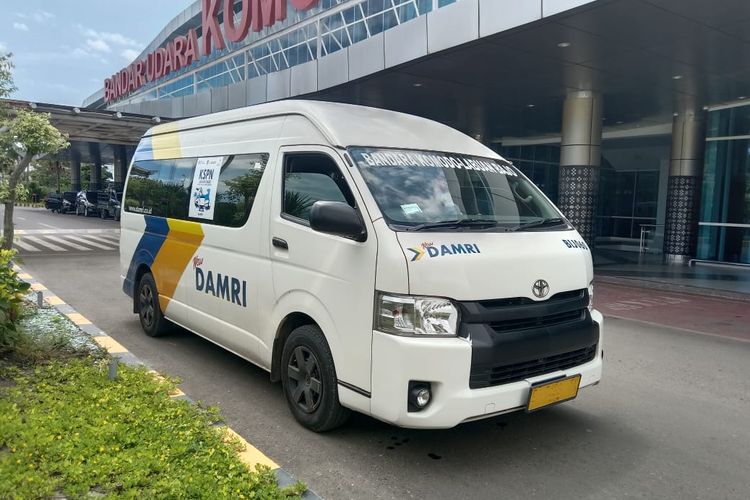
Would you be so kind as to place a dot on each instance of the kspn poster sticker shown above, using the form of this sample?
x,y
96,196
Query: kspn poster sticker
x,y
205,183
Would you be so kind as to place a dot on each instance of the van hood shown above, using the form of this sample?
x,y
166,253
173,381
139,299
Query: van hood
x,y
474,265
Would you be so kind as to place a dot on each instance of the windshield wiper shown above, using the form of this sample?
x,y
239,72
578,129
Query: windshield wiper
x,y
550,221
454,223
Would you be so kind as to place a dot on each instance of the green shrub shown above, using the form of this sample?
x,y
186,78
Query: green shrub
x,y
67,430
12,292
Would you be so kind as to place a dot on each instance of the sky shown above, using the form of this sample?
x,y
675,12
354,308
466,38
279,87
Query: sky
x,y
64,49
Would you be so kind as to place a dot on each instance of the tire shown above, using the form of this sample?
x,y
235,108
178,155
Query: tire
x,y
153,322
307,363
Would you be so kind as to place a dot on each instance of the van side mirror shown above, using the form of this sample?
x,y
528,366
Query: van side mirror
x,y
338,218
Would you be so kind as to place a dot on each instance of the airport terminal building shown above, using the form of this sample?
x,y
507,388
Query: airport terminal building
x,y
632,115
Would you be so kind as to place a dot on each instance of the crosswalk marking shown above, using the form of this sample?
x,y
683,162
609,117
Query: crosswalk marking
x,y
66,240
114,238
25,246
85,240
46,244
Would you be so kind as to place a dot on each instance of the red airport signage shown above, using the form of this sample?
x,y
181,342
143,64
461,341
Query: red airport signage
x,y
181,51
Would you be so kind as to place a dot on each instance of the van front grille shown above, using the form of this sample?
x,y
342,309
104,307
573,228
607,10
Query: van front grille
x,y
505,374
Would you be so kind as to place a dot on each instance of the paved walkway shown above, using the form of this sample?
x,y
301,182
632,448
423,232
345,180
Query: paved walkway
x,y
715,316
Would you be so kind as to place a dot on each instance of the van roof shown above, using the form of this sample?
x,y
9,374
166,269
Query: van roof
x,y
348,125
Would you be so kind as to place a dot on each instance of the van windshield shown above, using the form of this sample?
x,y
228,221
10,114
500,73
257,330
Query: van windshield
x,y
424,190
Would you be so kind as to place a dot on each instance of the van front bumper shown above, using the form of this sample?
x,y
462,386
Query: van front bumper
x,y
446,365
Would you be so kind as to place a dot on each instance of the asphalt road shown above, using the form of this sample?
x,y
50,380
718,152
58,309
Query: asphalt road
x,y
669,420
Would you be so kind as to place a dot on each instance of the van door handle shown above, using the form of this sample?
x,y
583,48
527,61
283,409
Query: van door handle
x,y
279,243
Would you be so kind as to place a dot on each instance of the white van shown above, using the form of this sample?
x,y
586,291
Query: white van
x,y
370,260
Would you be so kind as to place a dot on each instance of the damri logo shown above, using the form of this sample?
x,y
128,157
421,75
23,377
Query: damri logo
x,y
228,288
432,250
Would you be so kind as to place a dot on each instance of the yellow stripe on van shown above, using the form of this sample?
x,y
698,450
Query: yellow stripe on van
x,y
182,240
166,141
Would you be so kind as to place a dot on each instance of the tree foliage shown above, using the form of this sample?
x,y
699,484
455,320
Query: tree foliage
x,y
32,134
24,135
6,78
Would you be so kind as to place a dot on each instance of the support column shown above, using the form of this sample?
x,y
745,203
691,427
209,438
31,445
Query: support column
x,y
580,158
75,170
121,167
96,167
684,186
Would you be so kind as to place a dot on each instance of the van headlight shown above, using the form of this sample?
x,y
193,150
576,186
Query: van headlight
x,y
412,315
591,296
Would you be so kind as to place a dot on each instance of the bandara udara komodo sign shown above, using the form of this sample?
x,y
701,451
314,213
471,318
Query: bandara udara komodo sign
x,y
182,50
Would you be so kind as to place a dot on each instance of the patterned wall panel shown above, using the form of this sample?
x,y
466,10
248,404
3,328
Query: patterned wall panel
x,y
681,228
578,197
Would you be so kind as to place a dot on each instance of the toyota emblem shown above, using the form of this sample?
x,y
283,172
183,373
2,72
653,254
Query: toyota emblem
x,y
540,289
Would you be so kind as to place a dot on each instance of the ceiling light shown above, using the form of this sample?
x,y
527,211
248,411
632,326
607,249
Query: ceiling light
x,y
417,85
619,122
563,45
677,77
530,106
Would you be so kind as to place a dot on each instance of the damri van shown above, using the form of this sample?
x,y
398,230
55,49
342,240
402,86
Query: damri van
x,y
369,260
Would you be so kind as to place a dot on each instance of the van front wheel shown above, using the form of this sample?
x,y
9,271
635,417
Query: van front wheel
x,y
153,322
308,377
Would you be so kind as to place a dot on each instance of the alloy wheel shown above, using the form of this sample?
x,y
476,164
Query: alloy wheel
x,y
146,303
305,381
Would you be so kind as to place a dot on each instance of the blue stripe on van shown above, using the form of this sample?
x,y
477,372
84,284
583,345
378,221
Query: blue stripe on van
x,y
149,245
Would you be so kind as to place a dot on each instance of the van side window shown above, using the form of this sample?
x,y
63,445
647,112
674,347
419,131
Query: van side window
x,y
162,188
238,185
311,177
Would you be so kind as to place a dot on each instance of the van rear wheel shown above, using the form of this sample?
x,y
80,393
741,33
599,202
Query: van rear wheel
x,y
308,377
153,322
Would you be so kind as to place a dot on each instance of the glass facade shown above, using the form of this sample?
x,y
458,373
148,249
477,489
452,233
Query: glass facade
x,y
629,186
724,231
264,52
540,163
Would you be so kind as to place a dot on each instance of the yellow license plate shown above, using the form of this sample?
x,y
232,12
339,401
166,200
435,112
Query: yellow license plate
x,y
551,393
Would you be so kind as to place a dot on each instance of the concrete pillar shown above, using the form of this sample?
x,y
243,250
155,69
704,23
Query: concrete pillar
x,y
684,186
96,167
121,167
580,158
75,170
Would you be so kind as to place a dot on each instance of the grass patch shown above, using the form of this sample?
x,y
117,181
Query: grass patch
x,y
68,431
65,428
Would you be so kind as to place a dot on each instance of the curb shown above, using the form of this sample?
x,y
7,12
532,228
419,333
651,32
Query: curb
x,y
250,456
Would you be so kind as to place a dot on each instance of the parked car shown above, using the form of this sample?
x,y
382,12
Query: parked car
x,y
86,203
68,202
108,204
53,201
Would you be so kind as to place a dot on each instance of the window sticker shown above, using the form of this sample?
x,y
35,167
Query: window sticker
x,y
383,158
411,208
205,184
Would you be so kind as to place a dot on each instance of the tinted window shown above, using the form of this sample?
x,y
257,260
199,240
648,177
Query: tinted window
x,y
160,187
309,178
163,187
238,185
